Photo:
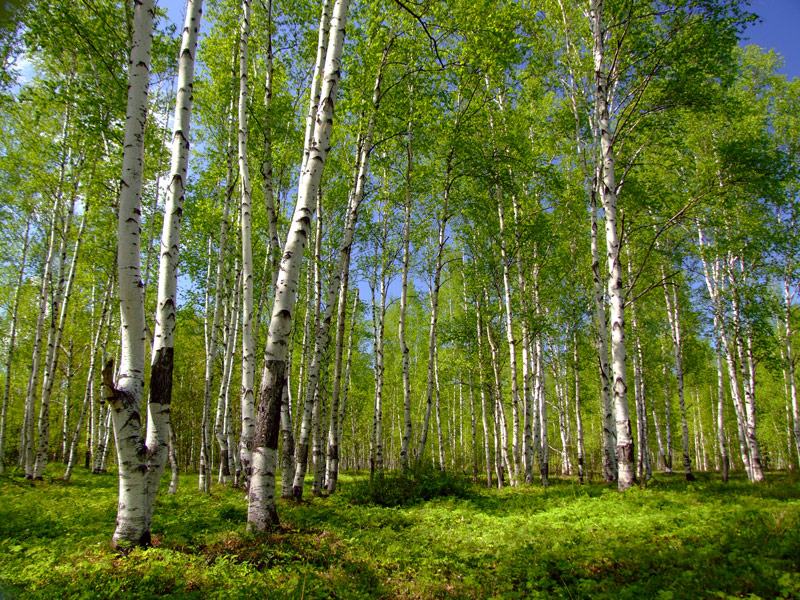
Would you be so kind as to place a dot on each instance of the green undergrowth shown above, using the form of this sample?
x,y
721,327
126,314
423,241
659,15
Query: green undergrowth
x,y
403,488
671,540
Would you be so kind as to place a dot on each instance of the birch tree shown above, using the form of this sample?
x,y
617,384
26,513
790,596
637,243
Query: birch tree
x,y
262,512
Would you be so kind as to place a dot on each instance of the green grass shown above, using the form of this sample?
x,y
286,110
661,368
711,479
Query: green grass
x,y
671,540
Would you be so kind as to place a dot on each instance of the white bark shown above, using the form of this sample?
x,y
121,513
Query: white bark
x,y
401,324
141,461
625,447
487,452
204,482
673,318
789,368
262,512
26,441
578,417
346,385
712,279
248,341
125,395
50,368
12,336
432,331
88,395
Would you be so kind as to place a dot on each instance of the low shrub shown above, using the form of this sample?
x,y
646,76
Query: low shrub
x,y
400,488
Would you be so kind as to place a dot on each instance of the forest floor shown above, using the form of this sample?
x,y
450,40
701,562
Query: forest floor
x,y
670,540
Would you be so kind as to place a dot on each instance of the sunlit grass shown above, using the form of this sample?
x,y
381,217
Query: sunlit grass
x,y
671,540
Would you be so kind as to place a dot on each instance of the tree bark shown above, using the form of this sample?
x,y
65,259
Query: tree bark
x,y
625,446
262,512
12,336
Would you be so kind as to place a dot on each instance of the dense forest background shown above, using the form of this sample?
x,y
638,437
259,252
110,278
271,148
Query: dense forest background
x,y
574,242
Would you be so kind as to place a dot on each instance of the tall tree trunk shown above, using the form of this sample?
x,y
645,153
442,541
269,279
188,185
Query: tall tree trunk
x,y
432,331
311,396
222,423
643,465
578,418
262,512
712,275
401,324
12,337
27,457
345,387
142,461
248,340
500,409
213,335
787,314
487,452
673,318
625,447
88,394
512,344
720,418
58,318
125,396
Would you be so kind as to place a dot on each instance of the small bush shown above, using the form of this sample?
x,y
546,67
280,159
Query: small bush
x,y
399,488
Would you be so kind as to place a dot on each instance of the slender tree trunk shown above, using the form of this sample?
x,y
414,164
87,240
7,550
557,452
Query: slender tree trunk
x,y
125,395
512,344
625,446
262,512
12,336
432,331
487,452
673,318
578,417
713,279
213,336
175,474
311,397
248,340
401,325
501,414
58,317
789,368
88,394
222,423
142,461
346,385
27,457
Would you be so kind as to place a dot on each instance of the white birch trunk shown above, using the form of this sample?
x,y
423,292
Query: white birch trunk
x,y
748,385
712,279
262,512
578,417
512,343
673,318
346,384
27,457
50,368
141,461
432,331
487,452
248,341
222,424
125,395
88,394
401,324
204,482
795,421
625,446
12,336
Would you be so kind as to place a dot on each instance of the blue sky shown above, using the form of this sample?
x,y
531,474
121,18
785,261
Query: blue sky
x,y
778,29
